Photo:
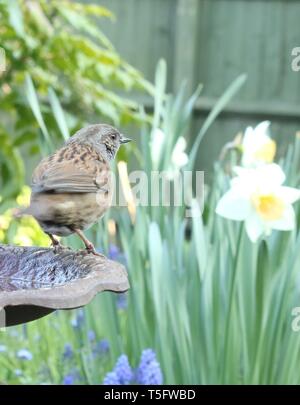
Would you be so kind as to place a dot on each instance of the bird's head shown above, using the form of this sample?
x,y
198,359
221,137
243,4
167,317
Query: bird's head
x,y
104,138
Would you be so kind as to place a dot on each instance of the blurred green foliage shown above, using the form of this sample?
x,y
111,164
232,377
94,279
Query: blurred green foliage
x,y
56,50
24,231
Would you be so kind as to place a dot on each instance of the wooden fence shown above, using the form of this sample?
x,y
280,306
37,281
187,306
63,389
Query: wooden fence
x,y
212,42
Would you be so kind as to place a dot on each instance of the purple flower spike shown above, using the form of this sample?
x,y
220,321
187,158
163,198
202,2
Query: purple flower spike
x,y
68,352
122,373
111,379
78,321
148,355
102,347
113,252
122,301
91,335
69,379
149,371
24,354
123,370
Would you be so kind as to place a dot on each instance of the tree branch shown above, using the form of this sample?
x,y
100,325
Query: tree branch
x,y
35,281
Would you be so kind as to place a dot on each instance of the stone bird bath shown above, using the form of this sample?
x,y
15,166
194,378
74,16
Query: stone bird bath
x,y
36,281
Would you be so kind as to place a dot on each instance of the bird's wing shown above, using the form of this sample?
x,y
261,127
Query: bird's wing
x,y
73,169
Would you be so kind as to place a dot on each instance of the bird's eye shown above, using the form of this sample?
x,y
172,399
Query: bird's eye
x,y
113,136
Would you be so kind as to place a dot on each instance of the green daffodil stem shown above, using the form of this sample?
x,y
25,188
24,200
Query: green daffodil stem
x,y
231,298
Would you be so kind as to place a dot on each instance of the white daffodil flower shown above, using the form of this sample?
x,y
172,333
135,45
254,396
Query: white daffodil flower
x,y
257,146
258,197
179,157
157,143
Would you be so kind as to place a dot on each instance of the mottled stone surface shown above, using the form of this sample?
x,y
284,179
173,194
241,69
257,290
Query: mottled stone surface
x,y
35,281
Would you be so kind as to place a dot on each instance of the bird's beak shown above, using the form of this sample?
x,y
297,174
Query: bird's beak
x,y
124,139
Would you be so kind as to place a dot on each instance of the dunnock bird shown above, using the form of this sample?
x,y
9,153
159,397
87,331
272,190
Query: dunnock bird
x,y
71,189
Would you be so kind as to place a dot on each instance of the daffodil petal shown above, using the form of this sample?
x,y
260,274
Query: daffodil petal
x,y
157,143
271,175
262,128
254,227
289,194
267,177
246,181
180,159
240,171
254,141
180,145
183,159
286,222
248,138
246,159
232,206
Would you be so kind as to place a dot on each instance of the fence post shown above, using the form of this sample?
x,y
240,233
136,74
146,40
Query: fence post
x,y
185,43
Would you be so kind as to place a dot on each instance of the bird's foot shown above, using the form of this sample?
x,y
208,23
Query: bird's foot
x,y
91,249
56,245
89,246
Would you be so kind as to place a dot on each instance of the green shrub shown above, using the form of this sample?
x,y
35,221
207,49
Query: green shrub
x,y
56,48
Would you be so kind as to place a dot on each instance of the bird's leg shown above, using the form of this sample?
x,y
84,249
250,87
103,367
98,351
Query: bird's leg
x,y
89,246
55,242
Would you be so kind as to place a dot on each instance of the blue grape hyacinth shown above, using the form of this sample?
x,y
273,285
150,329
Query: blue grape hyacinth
x,y
111,378
73,377
69,379
124,370
147,373
91,335
18,372
78,321
24,354
113,252
101,348
122,302
122,373
68,351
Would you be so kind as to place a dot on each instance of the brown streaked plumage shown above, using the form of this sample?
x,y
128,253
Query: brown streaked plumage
x,y
71,189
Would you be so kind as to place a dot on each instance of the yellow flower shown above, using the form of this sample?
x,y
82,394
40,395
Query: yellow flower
x,y
257,146
269,206
258,197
